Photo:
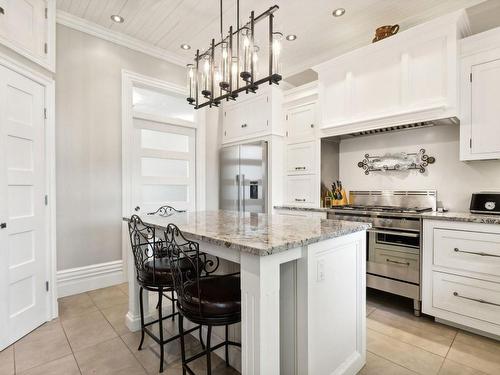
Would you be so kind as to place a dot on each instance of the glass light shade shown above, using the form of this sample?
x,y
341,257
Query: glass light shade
x,y
255,59
191,82
246,53
235,65
277,45
205,76
224,66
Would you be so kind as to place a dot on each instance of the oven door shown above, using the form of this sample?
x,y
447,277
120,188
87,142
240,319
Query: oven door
x,y
394,254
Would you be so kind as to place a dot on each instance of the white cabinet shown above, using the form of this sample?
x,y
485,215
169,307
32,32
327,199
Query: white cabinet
x,y
28,27
300,213
301,122
410,77
301,158
461,274
302,149
480,94
252,115
301,190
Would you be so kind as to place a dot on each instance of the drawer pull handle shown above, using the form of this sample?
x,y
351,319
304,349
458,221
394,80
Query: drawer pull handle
x,y
300,168
457,250
475,299
396,262
244,125
299,200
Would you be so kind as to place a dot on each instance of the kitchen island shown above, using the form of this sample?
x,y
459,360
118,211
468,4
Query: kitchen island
x,y
302,287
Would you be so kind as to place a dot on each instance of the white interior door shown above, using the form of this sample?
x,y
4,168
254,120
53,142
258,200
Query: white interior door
x,y
163,164
23,252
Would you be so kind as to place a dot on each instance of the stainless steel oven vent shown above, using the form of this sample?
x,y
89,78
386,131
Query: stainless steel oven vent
x,y
395,128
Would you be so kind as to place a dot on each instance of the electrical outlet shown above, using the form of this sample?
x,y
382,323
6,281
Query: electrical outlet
x,y
321,270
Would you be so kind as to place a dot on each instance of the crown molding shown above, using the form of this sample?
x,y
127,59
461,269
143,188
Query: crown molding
x,y
91,28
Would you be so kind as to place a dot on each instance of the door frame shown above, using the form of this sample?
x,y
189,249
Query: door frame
x,y
129,80
50,174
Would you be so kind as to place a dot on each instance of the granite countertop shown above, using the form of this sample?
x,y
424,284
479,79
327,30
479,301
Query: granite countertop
x,y
258,234
465,217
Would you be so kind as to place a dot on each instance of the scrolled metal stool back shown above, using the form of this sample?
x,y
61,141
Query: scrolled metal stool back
x,y
165,211
188,265
146,247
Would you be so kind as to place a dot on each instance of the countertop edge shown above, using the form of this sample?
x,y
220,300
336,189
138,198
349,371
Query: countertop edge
x,y
464,216
360,226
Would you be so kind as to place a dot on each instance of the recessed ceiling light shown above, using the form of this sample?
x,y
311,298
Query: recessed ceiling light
x,y
291,37
185,46
338,12
116,18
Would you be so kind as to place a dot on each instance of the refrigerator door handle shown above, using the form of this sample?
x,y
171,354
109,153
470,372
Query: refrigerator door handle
x,y
243,191
239,191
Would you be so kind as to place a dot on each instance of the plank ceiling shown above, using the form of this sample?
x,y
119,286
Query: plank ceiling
x,y
169,23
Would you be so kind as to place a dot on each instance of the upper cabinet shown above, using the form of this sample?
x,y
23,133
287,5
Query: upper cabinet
x,y
410,77
28,28
480,96
253,115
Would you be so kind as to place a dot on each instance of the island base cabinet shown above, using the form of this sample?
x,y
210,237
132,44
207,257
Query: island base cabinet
x,y
331,290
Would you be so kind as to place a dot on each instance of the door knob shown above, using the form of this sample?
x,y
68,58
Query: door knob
x,y
137,208
3,225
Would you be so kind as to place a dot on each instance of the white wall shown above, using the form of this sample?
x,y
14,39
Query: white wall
x,y
213,144
88,144
454,180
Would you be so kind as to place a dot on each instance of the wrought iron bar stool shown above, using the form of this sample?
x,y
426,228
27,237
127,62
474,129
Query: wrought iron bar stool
x,y
154,274
166,211
202,298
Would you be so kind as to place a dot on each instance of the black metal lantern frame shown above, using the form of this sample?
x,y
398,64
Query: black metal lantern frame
x,y
230,89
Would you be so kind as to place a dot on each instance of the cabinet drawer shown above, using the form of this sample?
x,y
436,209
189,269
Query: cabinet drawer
x,y
300,190
301,157
465,296
469,251
397,258
298,213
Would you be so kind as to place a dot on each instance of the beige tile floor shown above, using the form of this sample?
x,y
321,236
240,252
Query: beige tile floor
x,y
90,337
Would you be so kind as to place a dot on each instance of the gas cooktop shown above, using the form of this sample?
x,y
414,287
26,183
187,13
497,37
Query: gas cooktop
x,y
376,208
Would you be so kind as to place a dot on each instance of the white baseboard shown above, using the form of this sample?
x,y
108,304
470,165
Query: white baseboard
x,y
96,276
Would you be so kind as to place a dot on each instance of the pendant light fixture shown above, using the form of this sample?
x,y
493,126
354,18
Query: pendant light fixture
x,y
211,80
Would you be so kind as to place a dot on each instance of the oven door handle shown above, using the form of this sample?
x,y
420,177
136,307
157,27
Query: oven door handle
x,y
394,232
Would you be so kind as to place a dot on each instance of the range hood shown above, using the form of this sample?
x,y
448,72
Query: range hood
x,y
395,128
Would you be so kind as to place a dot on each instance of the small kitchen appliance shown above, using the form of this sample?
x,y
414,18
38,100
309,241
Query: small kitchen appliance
x,y
485,203
394,243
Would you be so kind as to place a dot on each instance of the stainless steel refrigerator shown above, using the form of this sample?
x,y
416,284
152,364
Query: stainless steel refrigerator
x,y
243,177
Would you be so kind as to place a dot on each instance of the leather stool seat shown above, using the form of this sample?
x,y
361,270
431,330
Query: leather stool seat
x,y
218,296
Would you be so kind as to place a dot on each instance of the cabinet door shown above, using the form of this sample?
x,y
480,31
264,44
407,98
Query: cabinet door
x,y
485,111
300,189
300,121
301,157
26,24
246,118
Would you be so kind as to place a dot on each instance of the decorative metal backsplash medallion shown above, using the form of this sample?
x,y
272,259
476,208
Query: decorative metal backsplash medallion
x,y
400,161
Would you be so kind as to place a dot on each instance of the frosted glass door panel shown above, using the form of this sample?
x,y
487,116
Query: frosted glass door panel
x,y
164,141
162,104
164,193
156,167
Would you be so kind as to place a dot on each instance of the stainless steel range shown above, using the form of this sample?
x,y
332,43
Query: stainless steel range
x,y
394,241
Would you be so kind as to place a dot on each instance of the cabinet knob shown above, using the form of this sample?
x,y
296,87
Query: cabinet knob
x,y
137,208
312,125
2,11
243,125
3,225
